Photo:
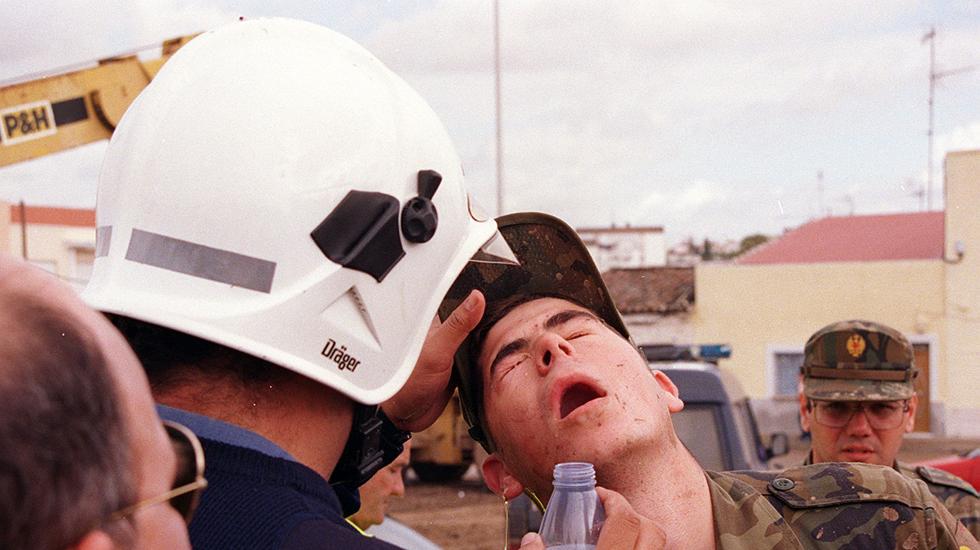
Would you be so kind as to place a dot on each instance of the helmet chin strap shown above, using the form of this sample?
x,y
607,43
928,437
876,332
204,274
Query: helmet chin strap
x,y
374,442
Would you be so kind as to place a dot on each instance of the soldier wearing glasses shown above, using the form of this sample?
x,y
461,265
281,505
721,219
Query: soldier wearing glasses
x,y
859,400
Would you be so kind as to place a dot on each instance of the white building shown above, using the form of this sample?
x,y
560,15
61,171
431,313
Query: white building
x,y
625,247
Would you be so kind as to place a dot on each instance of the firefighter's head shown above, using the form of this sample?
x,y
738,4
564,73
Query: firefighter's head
x,y
278,191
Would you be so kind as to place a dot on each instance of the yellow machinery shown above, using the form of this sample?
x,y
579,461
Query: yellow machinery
x,y
53,113
444,450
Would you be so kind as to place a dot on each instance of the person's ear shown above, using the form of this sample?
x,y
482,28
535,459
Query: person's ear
x,y
913,406
804,413
94,540
499,479
674,403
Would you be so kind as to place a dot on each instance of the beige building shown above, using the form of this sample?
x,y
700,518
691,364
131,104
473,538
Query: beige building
x,y
919,273
59,240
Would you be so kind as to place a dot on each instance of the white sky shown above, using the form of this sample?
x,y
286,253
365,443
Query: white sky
x,y
709,118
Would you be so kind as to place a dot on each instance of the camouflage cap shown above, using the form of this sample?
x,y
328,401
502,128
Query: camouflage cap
x,y
858,361
553,262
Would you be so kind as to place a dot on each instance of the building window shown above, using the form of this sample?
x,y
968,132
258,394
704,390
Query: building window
x,y
786,372
83,258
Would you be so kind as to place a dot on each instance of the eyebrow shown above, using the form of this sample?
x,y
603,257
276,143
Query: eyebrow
x,y
563,317
554,321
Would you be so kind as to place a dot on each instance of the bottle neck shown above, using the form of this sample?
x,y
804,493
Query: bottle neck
x,y
574,476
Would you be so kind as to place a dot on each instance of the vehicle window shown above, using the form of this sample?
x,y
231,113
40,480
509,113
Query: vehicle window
x,y
746,430
697,427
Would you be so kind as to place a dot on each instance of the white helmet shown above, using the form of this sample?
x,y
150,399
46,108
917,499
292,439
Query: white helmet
x,y
275,190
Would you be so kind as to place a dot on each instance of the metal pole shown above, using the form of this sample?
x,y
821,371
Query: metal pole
x,y
496,79
935,76
23,229
931,36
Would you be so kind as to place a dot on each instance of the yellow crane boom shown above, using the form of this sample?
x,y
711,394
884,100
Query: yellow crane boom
x,y
54,113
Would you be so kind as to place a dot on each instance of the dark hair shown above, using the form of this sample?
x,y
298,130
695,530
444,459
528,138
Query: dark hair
x,y
175,359
65,465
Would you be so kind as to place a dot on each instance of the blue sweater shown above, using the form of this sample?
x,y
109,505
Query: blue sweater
x,y
256,501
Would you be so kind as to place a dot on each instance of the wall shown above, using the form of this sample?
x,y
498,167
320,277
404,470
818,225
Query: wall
x,y
759,308
962,289
654,328
5,229
625,247
56,248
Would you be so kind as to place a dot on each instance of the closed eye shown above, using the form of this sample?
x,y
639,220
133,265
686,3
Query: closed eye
x,y
509,364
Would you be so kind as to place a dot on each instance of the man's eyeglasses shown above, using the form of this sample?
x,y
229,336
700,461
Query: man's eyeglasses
x,y
189,482
881,415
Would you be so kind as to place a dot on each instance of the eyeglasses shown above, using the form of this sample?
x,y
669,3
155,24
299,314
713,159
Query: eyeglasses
x,y
189,482
881,415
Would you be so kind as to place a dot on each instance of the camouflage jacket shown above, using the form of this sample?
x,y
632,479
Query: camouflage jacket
x,y
959,497
833,505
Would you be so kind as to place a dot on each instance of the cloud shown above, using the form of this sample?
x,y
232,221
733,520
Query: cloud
x,y
961,138
43,36
702,116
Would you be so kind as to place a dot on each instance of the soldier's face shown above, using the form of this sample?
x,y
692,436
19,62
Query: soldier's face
x,y
858,440
560,385
377,491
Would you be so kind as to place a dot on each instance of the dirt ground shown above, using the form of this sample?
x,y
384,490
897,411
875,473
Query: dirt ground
x,y
465,515
453,515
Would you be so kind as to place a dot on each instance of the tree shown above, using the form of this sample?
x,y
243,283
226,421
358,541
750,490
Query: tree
x,y
751,241
706,253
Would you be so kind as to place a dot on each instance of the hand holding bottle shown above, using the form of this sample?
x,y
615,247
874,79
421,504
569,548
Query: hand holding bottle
x,y
582,516
625,528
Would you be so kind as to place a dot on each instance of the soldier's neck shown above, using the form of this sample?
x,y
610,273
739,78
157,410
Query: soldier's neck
x,y
670,488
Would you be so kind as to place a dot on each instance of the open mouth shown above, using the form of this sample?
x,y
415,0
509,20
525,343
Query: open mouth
x,y
575,396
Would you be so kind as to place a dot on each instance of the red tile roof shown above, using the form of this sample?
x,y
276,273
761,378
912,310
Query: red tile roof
x,y
49,215
651,289
911,236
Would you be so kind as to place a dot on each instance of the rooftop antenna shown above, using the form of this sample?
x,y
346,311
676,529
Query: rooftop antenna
x,y
916,190
934,77
822,212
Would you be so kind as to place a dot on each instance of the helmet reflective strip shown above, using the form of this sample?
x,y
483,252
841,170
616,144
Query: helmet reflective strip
x,y
201,261
103,236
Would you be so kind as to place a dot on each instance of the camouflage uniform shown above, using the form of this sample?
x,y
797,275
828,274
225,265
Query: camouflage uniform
x,y
867,361
959,497
830,505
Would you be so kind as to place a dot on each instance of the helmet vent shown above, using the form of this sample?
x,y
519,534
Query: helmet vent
x,y
419,216
361,233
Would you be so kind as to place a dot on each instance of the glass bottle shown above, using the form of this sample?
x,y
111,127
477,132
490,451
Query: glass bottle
x,y
574,514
